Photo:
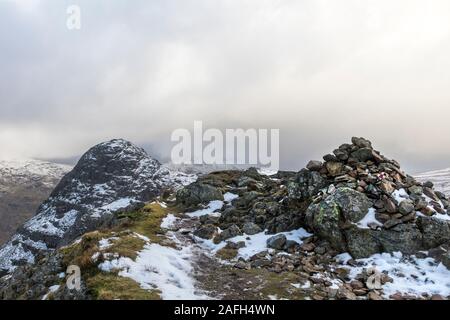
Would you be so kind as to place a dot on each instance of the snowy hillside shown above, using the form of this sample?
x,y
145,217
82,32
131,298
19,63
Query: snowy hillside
x,y
24,185
26,170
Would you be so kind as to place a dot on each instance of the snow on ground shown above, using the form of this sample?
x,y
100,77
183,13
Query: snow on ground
x,y
213,206
169,221
369,219
106,243
411,275
52,289
119,204
400,195
209,210
256,243
267,171
162,268
228,197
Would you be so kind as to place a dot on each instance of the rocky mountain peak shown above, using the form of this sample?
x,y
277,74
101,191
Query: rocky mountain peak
x,y
112,176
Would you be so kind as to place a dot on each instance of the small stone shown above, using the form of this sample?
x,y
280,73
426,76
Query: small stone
x,y
314,165
391,223
360,292
320,250
334,168
357,284
251,228
374,296
406,207
416,190
242,265
277,242
231,232
430,193
344,293
361,142
330,157
206,232
308,247
386,187
421,204
390,206
409,217
428,184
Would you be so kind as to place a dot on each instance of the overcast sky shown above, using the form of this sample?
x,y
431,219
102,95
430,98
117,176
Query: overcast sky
x,y
321,71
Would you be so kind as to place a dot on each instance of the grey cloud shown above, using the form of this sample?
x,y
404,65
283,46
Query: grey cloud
x,y
320,70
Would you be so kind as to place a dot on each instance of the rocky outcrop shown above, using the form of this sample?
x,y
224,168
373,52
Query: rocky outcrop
x,y
356,199
112,176
198,193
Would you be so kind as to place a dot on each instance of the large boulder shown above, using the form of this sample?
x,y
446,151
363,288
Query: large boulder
x,y
344,206
198,193
435,231
307,184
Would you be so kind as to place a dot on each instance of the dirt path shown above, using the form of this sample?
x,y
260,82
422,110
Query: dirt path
x,y
222,280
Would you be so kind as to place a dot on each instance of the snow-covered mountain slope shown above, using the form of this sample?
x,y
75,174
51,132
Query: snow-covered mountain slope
x,y
24,184
440,178
26,170
110,177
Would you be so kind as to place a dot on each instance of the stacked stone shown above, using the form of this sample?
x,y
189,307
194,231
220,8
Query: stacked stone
x,y
363,203
397,197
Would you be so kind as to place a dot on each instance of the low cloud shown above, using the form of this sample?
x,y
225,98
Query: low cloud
x,y
320,71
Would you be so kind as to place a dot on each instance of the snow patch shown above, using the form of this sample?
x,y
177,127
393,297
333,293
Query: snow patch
x,y
169,221
52,289
400,195
209,210
411,275
369,219
256,243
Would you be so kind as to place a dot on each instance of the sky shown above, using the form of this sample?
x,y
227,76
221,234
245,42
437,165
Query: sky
x,y
321,71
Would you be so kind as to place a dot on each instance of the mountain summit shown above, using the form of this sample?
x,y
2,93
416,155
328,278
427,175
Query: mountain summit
x,y
111,176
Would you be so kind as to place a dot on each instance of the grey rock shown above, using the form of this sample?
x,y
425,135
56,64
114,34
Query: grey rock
x,y
445,259
314,165
435,231
198,193
416,190
361,142
405,238
362,243
428,184
406,207
251,228
206,232
231,232
325,218
364,154
306,185
330,158
277,242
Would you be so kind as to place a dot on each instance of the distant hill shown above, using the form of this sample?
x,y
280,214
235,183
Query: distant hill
x,y
24,185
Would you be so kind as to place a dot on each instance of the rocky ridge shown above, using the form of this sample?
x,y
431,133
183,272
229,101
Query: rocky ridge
x,y
353,226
